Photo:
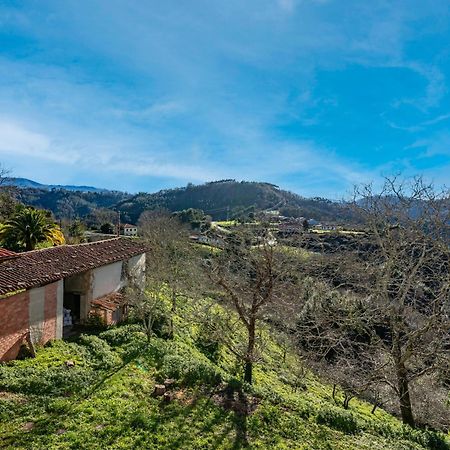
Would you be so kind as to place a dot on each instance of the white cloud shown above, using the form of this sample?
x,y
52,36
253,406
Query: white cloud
x,y
437,144
17,140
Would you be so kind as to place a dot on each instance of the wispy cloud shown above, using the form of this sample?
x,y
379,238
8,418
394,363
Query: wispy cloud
x,y
437,144
22,142
279,90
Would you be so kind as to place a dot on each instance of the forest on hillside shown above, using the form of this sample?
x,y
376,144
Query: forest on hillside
x,y
220,200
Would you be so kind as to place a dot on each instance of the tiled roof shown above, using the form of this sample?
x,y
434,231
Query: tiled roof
x,y
40,267
6,254
110,302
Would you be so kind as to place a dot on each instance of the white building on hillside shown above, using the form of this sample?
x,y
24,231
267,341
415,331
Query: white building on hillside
x,y
130,230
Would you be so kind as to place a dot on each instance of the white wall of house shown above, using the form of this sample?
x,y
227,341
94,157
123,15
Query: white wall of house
x,y
59,309
136,270
36,311
106,279
130,231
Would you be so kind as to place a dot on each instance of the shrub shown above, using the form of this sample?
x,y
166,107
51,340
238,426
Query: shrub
x,y
45,381
99,354
117,336
339,420
181,363
190,371
426,438
207,343
95,322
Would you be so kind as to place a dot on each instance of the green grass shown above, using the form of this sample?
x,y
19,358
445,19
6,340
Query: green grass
x,y
105,400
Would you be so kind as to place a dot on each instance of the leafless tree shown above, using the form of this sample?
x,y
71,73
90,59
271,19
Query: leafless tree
x,y
173,263
254,278
391,325
146,307
410,223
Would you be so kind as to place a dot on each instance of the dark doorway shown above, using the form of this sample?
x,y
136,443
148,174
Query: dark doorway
x,y
72,303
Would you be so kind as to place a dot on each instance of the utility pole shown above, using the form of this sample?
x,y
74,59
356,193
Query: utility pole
x,y
118,223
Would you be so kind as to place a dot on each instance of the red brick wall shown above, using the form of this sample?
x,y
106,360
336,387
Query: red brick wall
x,y
14,320
50,312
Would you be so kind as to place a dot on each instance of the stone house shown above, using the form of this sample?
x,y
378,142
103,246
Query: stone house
x,y
42,290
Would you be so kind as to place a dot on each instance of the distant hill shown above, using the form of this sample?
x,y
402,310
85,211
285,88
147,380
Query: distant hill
x,y
26,183
97,207
221,199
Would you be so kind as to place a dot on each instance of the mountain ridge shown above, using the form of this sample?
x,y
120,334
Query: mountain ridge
x,y
221,200
25,183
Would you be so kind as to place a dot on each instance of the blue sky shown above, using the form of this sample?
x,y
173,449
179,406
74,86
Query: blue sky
x,y
313,95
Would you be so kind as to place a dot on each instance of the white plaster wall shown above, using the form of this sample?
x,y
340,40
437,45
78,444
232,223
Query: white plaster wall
x,y
59,309
106,279
136,270
36,310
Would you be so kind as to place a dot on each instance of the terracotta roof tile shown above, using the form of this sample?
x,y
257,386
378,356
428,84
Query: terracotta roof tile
x,y
6,254
39,267
110,301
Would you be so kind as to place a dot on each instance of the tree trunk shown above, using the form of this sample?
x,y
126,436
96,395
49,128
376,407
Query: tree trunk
x,y
248,373
28,244
402,382
173,311
404,397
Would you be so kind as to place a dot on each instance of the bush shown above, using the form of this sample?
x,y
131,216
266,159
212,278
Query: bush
x,y
339,420
95,322
120,335
207,344
181,363
99,354
46,381
426,438
190,371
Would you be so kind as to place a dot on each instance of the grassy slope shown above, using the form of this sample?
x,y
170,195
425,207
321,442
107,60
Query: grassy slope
x,y
105,401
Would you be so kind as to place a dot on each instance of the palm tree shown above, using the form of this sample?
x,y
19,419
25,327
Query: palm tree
x,y
30,227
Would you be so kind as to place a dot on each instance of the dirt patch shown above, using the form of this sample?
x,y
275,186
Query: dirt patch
x,y
12,397
235,400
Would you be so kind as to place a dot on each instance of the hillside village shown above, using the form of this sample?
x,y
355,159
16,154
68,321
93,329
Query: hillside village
x,y
259,321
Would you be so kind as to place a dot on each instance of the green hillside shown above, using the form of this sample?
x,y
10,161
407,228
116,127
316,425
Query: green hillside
x,y
105,400
67,204
222,198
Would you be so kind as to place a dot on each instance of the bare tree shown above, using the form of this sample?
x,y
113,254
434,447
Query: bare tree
x,y
253,276
146,307
173,264
391,325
